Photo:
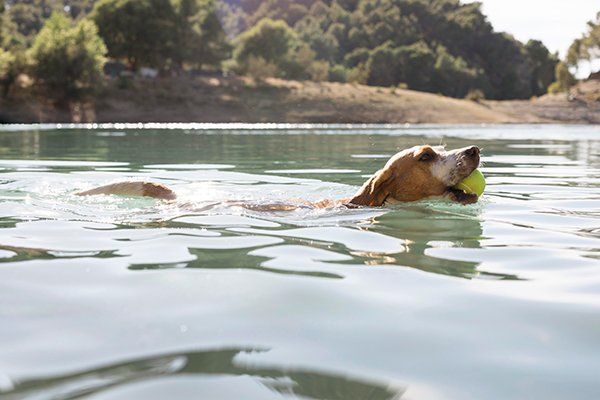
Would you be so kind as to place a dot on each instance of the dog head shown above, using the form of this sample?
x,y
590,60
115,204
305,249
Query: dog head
x,y
419,173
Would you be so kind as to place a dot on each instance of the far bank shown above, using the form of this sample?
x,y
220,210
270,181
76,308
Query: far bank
x,y
236,99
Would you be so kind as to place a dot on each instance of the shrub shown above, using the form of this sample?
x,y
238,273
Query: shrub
x,y
337,73
475,95
358,75
259,68
305,57
555,88
232,66
297,63
356,56
319,70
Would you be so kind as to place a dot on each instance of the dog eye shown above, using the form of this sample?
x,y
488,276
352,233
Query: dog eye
x,y
426,157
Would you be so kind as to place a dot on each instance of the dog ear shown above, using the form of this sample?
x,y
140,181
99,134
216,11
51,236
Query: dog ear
x,y
375,190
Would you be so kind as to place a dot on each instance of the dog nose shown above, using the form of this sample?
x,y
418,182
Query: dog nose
x,y
472,151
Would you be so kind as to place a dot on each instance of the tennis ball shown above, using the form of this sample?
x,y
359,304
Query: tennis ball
x,y
472,184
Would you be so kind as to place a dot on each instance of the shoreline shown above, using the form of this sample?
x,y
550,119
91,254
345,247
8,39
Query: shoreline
x,y
237,99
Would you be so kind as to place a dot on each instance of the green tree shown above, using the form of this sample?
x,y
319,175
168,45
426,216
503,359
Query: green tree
x,y
78,9
199,36
380,21
337,73
29,15
289,11
324,44
588,46
575,53
357,56
140,31
452,76
417,65
510,83
214,45
7,59
12,53
66,62
271,40
592,39
358,75
564,79
542,65
12,64
186,29
10,37
319,70
383,65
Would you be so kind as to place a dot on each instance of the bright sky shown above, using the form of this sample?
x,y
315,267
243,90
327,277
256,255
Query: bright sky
x,y
555,22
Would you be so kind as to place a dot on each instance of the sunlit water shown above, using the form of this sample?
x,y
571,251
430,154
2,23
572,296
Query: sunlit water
x,y
120,298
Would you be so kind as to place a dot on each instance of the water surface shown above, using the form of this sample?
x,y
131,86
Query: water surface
x,y
107,297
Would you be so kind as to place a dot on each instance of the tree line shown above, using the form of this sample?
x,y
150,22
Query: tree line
x,y
439,46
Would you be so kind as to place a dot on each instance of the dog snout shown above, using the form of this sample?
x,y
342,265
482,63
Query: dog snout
x,y
472,151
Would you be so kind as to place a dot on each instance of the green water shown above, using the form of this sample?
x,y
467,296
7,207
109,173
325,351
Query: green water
x,y
107,297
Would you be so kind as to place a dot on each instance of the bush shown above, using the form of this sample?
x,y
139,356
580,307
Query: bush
x,y
259,68
555,88
356,56
337,73
232,66
297,63
66,63
290,68
319,70
305,57
475,95
358,75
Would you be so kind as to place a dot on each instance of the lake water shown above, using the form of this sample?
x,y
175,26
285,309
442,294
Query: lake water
x,y
107,297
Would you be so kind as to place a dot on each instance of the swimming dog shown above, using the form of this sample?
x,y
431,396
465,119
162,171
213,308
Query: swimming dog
x,y
417,173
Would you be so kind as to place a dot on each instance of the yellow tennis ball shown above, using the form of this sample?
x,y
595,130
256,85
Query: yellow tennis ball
x,y
472,184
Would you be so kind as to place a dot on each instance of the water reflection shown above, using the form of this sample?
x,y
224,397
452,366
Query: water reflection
x,y
128,377
428,226
399,236
325,246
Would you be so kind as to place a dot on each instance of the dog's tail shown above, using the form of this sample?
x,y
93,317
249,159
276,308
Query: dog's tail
x,y
139,188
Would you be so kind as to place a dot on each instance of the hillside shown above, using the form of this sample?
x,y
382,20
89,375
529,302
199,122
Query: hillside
x,y
233,99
